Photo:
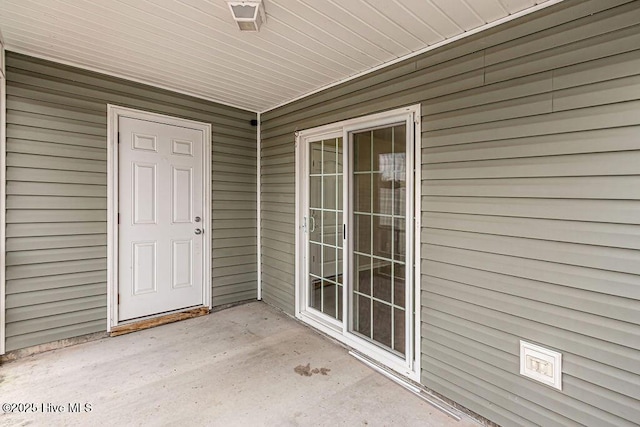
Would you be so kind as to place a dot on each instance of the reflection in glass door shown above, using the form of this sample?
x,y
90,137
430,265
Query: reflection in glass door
x,y
324,225
378,291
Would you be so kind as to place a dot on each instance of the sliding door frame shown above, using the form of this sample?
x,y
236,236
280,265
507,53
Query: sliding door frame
x,y
305,296
341,331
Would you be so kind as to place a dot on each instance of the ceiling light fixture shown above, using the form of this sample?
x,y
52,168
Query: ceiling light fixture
x,y
249,14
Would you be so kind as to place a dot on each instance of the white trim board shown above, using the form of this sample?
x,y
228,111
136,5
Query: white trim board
x,y
3,196
259,208
113,114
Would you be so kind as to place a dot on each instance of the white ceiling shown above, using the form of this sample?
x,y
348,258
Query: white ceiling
x,y
194,46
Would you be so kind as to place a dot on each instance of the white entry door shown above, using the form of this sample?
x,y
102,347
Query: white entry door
x,y
160,232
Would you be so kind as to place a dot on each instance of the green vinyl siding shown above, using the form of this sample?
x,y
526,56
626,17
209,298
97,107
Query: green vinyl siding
x,y
530,209
56,196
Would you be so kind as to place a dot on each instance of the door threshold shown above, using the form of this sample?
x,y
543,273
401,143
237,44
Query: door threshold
x,y
409,385
157,321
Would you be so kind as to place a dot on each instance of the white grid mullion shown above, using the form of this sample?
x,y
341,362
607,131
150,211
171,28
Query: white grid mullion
x,y
322,227
393,240
325,210
374,214
379,257
324,244
371,232
379,300
335,298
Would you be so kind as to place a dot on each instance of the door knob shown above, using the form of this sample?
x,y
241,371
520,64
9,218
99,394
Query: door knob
x,y
198,231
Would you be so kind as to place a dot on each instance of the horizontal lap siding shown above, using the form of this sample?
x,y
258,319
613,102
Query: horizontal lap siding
x,y
56,196
531,226
530,208
277,219
234,216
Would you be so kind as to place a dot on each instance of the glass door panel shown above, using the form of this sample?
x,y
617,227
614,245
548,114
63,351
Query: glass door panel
x,y
325,227
379,222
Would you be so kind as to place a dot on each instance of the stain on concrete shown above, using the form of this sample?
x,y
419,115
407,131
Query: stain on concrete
x,y
306,371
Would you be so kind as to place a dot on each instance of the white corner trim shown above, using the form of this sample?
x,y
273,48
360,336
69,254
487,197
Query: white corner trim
x,y
112,217
123,76
3,194
299,170
434,46
259,208
113,114
417,176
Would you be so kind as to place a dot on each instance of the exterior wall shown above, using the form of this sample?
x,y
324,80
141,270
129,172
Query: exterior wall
x,y
56,196
530,208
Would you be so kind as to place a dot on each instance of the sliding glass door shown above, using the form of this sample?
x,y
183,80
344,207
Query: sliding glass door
x,y
379,215
355,183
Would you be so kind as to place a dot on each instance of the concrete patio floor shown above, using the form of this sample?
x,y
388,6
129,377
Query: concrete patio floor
x,y
233,367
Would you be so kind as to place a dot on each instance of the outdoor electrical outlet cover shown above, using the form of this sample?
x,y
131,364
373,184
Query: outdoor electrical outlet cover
x,y
541,364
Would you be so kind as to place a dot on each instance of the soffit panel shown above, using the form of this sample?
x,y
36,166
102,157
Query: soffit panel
x,y
194,46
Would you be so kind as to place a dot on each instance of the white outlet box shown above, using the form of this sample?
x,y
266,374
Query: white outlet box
x,y
541,364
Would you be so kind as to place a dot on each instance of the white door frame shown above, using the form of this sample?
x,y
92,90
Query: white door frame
x,y
113,115
3,194
340,330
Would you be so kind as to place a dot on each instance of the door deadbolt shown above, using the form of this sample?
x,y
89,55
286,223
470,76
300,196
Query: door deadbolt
x,y
197,219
